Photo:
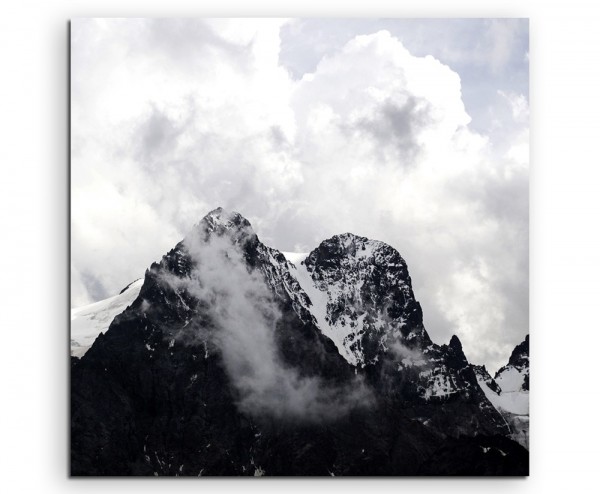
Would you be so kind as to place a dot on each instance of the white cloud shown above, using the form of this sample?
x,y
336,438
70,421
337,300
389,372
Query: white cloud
x,y
174,118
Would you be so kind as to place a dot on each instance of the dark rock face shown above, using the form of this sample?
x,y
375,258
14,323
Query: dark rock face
x,y
222,366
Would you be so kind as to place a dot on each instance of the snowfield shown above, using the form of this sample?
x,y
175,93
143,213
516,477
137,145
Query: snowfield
x,y
510,380
512,401
89,321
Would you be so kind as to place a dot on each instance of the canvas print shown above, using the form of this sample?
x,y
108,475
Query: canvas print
x,y
299,247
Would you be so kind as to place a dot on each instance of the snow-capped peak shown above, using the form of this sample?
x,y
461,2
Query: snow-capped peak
x,y
221,222
359,291
221,219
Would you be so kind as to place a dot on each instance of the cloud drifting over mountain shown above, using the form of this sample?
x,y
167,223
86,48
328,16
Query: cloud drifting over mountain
x,y
243,320
171,118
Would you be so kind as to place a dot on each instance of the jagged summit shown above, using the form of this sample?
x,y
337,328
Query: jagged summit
x,y
354,247
455,343
220,218
234,361
350,241
222,222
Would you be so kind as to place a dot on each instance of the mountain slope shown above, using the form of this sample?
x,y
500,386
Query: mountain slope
x,y
234,361
508,391
359,291
89,321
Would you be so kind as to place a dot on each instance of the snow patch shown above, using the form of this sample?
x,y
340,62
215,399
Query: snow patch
x,y
295,257
440,385
318,308
510,379
512,405
512,399
335,299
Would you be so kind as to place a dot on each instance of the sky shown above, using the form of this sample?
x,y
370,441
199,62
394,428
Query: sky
x,y
413,132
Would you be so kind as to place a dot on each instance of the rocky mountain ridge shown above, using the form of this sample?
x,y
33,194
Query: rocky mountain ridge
x,y
234,361
508,391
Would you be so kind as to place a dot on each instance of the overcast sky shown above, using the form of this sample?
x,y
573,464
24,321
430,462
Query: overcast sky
x,y
414,132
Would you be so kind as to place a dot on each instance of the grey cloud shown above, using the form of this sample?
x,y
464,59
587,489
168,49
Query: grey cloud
x,y
94,286
157,137
278,138
506,199
395,125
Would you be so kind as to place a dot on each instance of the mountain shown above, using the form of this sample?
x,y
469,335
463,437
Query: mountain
x,y
508,391
233,360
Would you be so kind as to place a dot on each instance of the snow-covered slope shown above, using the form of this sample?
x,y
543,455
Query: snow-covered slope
x,y
89,321
318,308
508,391
513,380
515,402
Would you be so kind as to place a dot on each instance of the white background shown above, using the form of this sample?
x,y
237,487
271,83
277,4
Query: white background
x,y
565,200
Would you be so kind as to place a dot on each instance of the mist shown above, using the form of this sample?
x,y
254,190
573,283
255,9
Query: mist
x,y
407,356
244,317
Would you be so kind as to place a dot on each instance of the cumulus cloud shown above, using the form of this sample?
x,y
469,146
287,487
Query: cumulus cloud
x,y
173,118
489,54
243,320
